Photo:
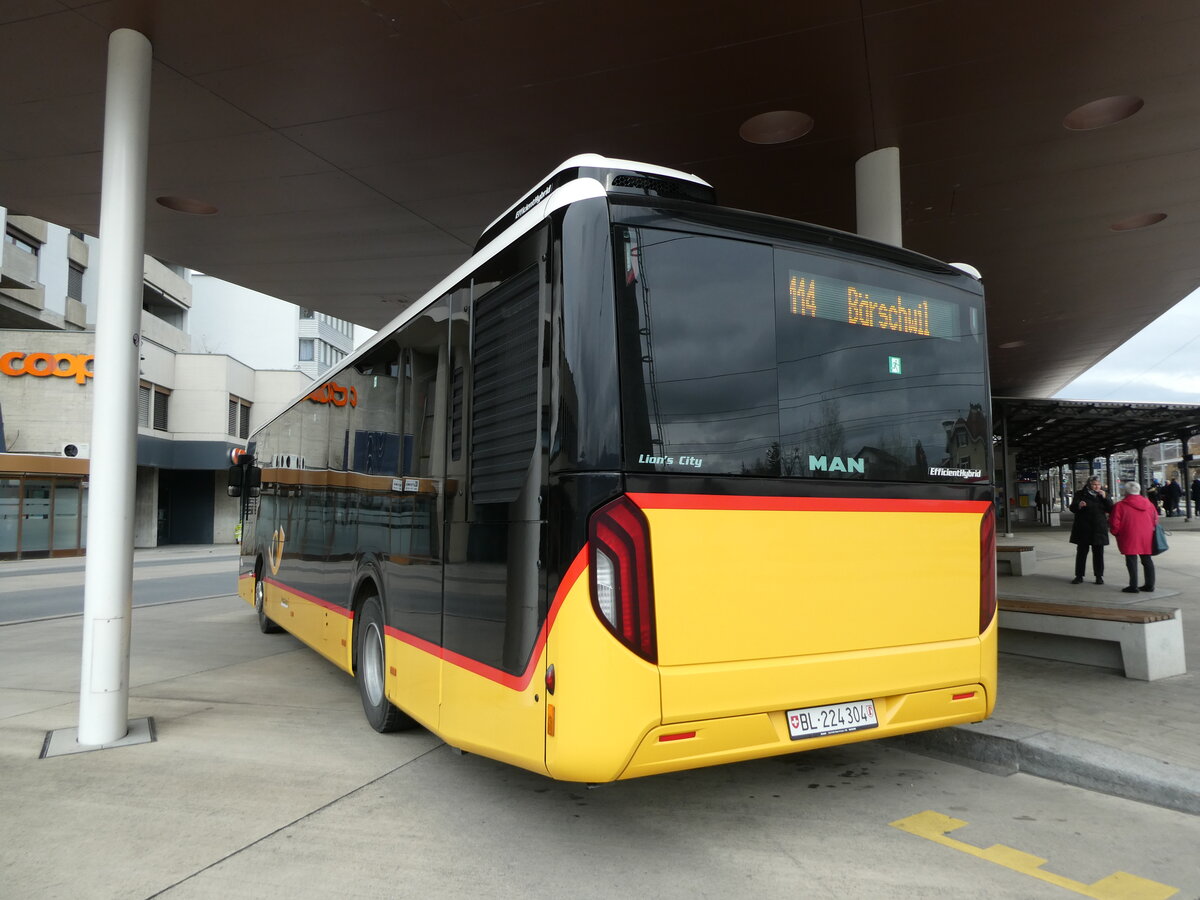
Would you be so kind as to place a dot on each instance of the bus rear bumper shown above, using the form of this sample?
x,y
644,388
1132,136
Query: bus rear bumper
x,y
708,742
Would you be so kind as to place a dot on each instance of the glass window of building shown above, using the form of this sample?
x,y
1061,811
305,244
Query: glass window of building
x,y
75,281
161,399
21,241
144,405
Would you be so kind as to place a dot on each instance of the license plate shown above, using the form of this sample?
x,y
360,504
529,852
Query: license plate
x,y
818,721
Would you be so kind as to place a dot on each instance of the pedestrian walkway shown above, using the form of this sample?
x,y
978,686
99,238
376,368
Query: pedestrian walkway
x,y
1089,726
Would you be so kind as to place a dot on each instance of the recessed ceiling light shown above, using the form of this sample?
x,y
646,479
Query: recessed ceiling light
x,y
187,205
1141,220
1100,113
776,127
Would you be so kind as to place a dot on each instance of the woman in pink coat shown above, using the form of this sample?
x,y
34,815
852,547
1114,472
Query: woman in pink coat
x,y
1132,524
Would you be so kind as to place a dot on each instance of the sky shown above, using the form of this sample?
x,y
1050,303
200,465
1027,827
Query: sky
x,y
1159,364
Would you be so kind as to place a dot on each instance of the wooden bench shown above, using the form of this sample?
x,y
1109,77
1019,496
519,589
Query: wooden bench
x,y
1144,642
1011,560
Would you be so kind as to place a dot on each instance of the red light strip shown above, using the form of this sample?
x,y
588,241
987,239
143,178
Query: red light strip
x,y
682,736
806,504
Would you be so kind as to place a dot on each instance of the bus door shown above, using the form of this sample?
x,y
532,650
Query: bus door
x,y
404,400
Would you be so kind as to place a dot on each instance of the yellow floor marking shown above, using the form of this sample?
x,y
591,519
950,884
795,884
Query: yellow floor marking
x,y
934,826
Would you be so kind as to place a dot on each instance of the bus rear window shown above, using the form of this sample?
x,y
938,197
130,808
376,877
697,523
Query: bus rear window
x,y
740,358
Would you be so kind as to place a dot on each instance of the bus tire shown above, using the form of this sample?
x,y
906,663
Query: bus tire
x,y
369,669
265,625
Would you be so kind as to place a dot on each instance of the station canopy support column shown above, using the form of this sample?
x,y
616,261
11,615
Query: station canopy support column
x,y
1184,477
877,196
108,580
1142,471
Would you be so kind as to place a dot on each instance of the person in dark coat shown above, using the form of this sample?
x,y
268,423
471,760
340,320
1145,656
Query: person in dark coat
x,y
1171,494
1090,529
1196,493
1132,523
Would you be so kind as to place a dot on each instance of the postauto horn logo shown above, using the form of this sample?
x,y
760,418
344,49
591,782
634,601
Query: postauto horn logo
x,y
42,365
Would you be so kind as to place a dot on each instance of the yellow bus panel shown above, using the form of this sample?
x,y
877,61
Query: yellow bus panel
x,y
605,697
732,585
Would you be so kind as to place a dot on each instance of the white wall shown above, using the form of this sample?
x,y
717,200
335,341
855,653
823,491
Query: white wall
x,y
52,268
253,328
43,413
273,393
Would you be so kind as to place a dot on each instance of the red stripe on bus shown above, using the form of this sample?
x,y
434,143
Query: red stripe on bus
x,y
508,680
805,504
324,604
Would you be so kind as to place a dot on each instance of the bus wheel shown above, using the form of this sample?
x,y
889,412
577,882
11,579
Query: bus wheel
x,y
265,625
369,669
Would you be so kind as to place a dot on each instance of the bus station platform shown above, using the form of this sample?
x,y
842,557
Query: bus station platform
x,y
256,735
1090,726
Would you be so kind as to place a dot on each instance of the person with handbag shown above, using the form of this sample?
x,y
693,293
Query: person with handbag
x,y
1091,507
1133,522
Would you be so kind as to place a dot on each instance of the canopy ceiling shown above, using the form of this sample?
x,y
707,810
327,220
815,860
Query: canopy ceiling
x,y
355,150
1052,432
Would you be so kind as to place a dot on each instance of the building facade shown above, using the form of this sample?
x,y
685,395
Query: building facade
x,y
200,393
263,331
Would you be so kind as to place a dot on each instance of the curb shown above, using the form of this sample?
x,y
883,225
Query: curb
x,y
1008,747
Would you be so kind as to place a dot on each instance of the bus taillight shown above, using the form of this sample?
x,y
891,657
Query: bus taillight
x,y
987,570
622,588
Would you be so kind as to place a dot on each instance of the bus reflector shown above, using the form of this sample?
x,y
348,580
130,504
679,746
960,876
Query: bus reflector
x,y
967,696
987,570
682,736
550,719
621,582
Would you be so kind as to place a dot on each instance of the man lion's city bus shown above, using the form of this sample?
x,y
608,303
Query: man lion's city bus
x,y
646,484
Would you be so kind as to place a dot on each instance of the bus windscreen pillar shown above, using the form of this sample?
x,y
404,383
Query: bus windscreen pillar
x,y
877,196
108,580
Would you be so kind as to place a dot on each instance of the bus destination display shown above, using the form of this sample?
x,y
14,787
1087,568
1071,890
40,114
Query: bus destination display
x,y
870,306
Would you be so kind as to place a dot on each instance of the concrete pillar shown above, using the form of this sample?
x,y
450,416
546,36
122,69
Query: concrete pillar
x,y
877,186
1010,480
145,506
108,579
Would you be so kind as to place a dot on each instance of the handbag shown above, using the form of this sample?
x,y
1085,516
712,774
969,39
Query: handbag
x,y
1160,540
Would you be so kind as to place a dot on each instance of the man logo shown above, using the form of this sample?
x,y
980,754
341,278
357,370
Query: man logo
x,y
836,464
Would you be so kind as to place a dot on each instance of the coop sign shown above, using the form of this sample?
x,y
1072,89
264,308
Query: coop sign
x,y
45,365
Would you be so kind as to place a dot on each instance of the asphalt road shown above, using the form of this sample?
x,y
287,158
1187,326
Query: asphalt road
x,y
265,781
41,589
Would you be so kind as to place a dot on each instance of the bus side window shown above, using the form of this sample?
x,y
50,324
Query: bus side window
x,y
493,583
414,423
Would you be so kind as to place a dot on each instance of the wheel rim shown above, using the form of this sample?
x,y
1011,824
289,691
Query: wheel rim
x,y
372,664
260,596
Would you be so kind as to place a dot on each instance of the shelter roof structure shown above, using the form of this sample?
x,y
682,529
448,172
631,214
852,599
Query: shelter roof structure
x,y
346,155
1047,432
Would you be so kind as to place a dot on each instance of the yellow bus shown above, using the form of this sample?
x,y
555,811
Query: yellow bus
x,y
646,484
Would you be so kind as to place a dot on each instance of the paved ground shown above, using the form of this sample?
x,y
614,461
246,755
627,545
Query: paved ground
x,y
238,756
1089,726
